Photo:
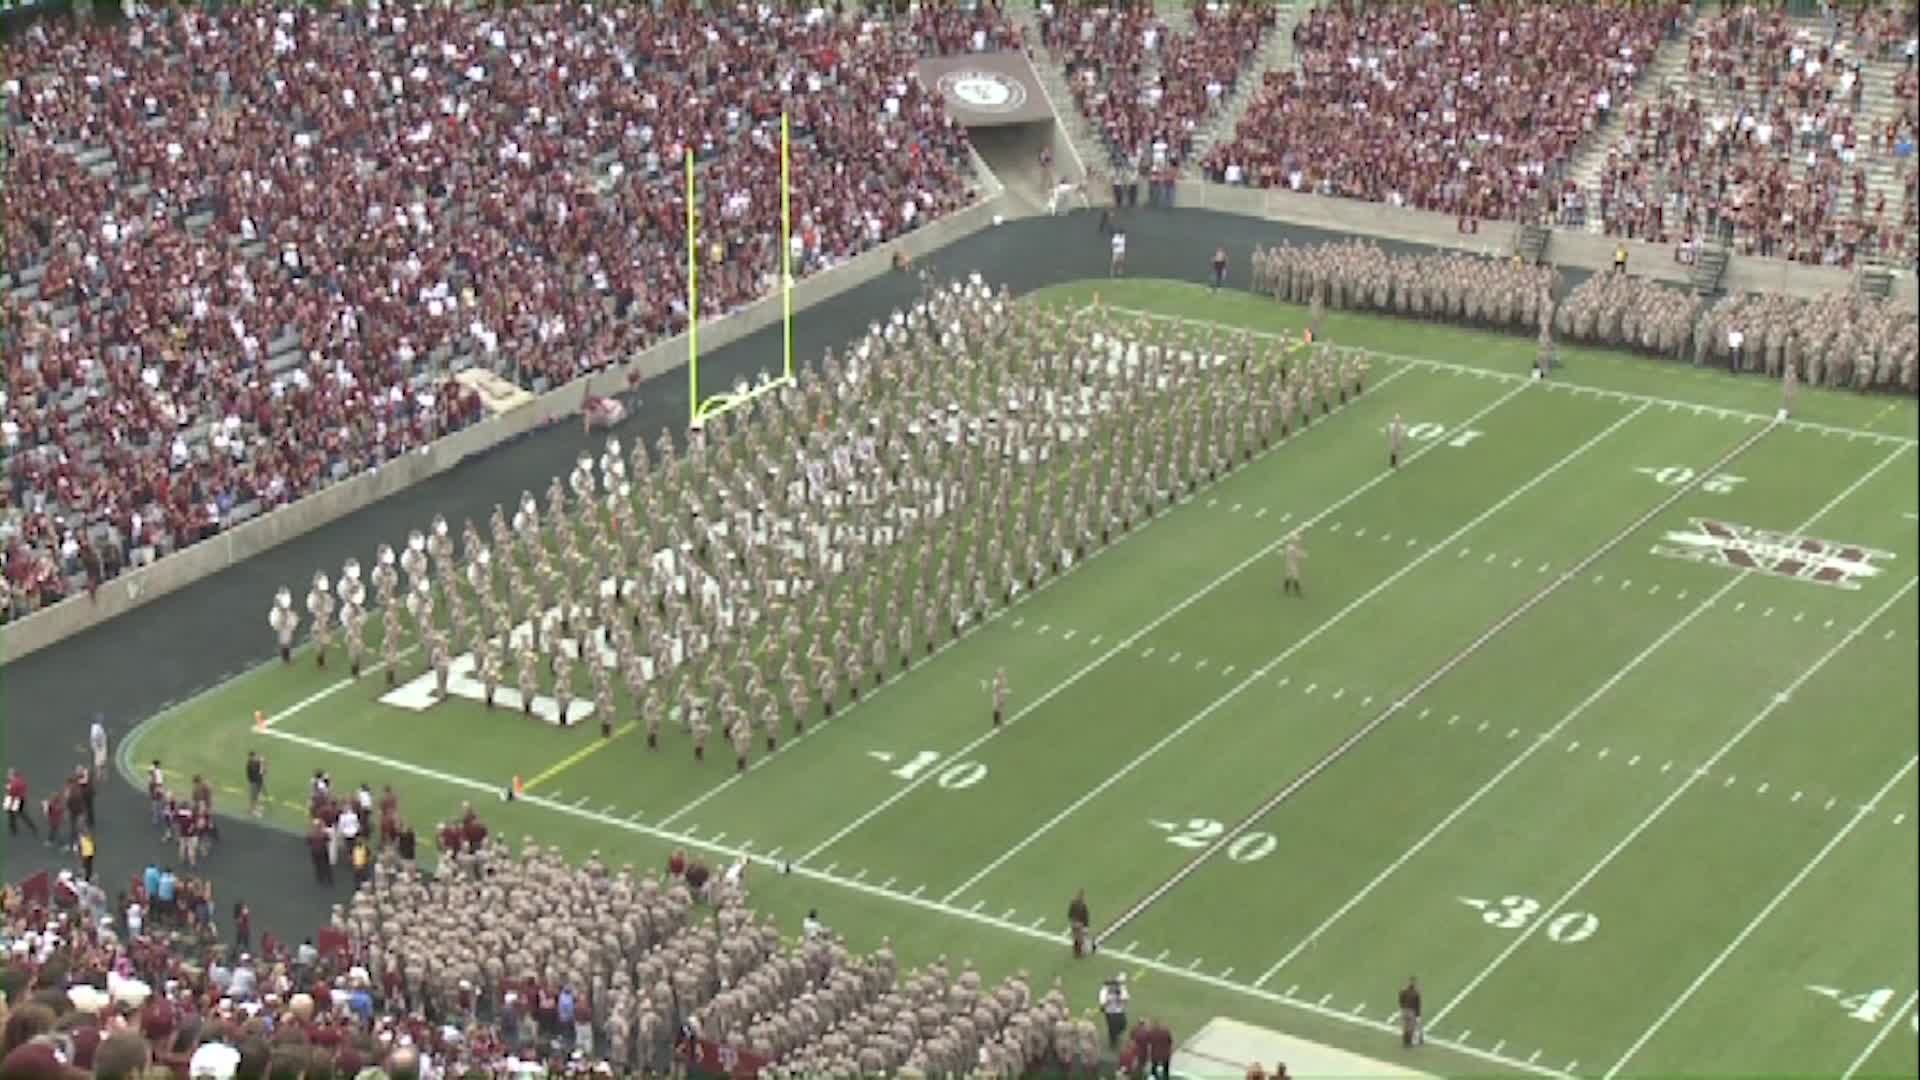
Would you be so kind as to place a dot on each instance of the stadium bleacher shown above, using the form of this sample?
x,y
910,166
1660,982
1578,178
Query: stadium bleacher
x,y
233,288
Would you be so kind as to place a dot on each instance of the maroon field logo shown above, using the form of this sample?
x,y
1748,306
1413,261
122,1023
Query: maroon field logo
x,y
1804,558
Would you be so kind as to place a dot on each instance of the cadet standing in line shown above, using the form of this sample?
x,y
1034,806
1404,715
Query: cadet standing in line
x,y
1396,434
999,695
1295,553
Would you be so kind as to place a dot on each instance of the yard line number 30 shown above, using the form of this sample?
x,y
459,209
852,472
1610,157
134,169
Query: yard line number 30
x,y
1516,912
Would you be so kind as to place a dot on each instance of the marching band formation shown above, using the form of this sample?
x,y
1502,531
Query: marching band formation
x,y
960,455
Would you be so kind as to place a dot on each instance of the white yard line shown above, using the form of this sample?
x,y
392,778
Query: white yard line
x,y
1053,940
1747,931
1266,668
992,616
1660,810
1130,640
1553,732
1549,384
1899,1014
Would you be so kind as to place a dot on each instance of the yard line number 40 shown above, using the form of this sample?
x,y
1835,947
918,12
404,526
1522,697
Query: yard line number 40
x,y
1868,1008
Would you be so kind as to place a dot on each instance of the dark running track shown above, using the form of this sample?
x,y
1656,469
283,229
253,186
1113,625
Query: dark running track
x,y
171,649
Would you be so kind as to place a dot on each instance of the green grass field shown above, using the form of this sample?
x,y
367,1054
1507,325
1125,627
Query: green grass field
x,y
1619,810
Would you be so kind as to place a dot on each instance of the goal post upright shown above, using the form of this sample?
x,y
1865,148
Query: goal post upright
x,y
693,299
741,393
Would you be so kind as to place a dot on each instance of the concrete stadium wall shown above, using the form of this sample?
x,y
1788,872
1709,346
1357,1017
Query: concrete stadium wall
x,y
1569,247
190,564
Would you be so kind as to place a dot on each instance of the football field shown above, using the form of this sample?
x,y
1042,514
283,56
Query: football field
x,y
1598,715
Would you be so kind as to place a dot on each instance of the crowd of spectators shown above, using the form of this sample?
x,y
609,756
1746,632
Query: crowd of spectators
x,y
267,283
1469,110
1148,87
1766,142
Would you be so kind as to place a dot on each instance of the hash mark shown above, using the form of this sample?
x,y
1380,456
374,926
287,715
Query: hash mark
x,y
1828,626
1311,687
1451,720
1482,728
1286,515
1462,1037
1044,627
1632,761
1682,596
1284,680
888,884
1236,508
1366,701
1767,614
1830,803
1290,990
1068,635
1360,1008
1626,584
1423,713
1201,665
1163,956
1212,503
1535,1057
1573,746
1898,818
1359,532
1498,1045
1572,1065
861,874
1667,766
1384,537
977,905
917,890
1604,751
1796,797
1516,564
829,868
1340,693
1175,658
1037,923
1599,578
1133,946
1008,915
1730,780
1514,734
1335,527
1799,615
1260,513
1411,541
1326,999
1490,557
775,852
1653,590
1542,570
1226,973
1888,636
1018,623
1095,641
1739,607
1148,653
1195,966
1463,553
1228,670
1763,788
716,838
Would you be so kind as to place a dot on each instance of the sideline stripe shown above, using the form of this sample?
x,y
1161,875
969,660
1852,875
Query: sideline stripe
x,y
1131,639
1052,939
1553,732
1549,384
1267,668
1747,931
1686,785
700,800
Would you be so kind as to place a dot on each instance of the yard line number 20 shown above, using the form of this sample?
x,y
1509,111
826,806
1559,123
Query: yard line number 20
x,y
1199,833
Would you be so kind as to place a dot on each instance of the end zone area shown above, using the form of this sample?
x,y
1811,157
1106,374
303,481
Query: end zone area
x,y
1597,714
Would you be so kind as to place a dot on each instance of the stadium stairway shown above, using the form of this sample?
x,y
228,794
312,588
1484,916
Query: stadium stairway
x,y
1709,269
1275,54
1667,69
1092,149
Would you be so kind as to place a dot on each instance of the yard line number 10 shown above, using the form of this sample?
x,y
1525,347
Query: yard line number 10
x,y
1428,431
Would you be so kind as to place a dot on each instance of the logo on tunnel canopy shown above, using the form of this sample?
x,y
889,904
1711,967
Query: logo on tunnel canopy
x,y
987,91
